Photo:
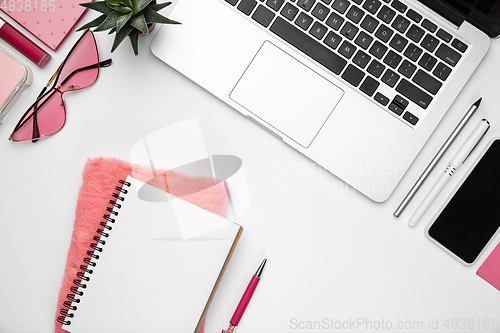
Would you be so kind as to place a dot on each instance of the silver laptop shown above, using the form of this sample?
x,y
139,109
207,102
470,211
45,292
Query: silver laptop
x,y
358,86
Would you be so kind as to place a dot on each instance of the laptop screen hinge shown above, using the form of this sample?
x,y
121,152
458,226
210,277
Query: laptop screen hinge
x,y
446,11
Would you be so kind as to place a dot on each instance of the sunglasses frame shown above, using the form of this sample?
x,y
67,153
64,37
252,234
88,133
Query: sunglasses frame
x,y
53,89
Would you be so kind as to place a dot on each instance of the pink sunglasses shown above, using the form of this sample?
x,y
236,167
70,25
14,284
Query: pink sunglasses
x,y
47,115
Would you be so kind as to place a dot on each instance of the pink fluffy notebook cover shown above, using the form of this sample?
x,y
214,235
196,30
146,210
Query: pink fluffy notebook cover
x,y
100,176
48,20
490,269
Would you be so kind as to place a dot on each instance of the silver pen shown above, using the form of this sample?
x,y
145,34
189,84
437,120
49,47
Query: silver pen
x,y
436,158
460,157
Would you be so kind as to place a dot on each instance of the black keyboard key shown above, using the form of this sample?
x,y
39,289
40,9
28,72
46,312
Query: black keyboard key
x,y
340,5
429,25
375,68
304,21
459,45
409,117
263,15
401,23
448,55
334,21
396,108
246,6
414,94
392,59
289,11
347,49
353,75
369,23
398,42
320,11
399,6
427,82
326,1
306,4
318,30
349,30
413,15
308,45
427,62
372,5
332,40
369,86
442,71
384,33
401,101
363,40
275,4
378,49
381,99
359,2
232,2
390,78
361,59
355,14
444,35
386,14
430,43
413,52
415,33
407,68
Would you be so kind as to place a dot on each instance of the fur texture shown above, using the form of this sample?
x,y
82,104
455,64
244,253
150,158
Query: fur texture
x,y
100,176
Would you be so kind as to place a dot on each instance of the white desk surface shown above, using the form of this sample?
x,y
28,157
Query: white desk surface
x,y
334,257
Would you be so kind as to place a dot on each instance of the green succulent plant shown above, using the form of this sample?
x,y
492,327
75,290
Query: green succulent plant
x,y
126,18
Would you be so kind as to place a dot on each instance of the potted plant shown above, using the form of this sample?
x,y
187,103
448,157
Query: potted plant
x,y
126,18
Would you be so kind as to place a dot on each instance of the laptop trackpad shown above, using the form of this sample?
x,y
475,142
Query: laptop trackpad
x,y
286,94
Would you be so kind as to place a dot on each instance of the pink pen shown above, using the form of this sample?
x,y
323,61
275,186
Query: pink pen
x,y
245,299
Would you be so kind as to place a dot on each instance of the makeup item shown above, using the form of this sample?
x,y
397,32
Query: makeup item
x,y
47,115
245,299
23,44
51,21
15,78
459,159
436,158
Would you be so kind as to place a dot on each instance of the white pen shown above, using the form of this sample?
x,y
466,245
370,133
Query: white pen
x,y
459,159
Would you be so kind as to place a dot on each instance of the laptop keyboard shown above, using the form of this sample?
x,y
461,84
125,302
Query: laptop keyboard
x,y
386,50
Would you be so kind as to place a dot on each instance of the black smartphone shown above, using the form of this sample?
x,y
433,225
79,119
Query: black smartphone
x,y
472,216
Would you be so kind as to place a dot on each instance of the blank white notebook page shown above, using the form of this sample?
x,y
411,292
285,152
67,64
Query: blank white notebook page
x,y
155,272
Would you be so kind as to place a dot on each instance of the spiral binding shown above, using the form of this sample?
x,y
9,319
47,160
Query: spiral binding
x,y
92,254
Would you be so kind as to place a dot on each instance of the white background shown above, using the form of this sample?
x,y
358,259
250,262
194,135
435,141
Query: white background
x,y
334,256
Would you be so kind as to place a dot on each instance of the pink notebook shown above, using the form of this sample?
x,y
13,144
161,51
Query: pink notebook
x,y
49,20
490,269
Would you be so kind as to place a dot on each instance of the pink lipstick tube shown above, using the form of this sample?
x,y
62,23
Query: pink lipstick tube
x,y
23,44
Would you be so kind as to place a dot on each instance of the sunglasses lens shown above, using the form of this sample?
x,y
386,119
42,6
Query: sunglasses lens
x,y
80,69
48,115
48,119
